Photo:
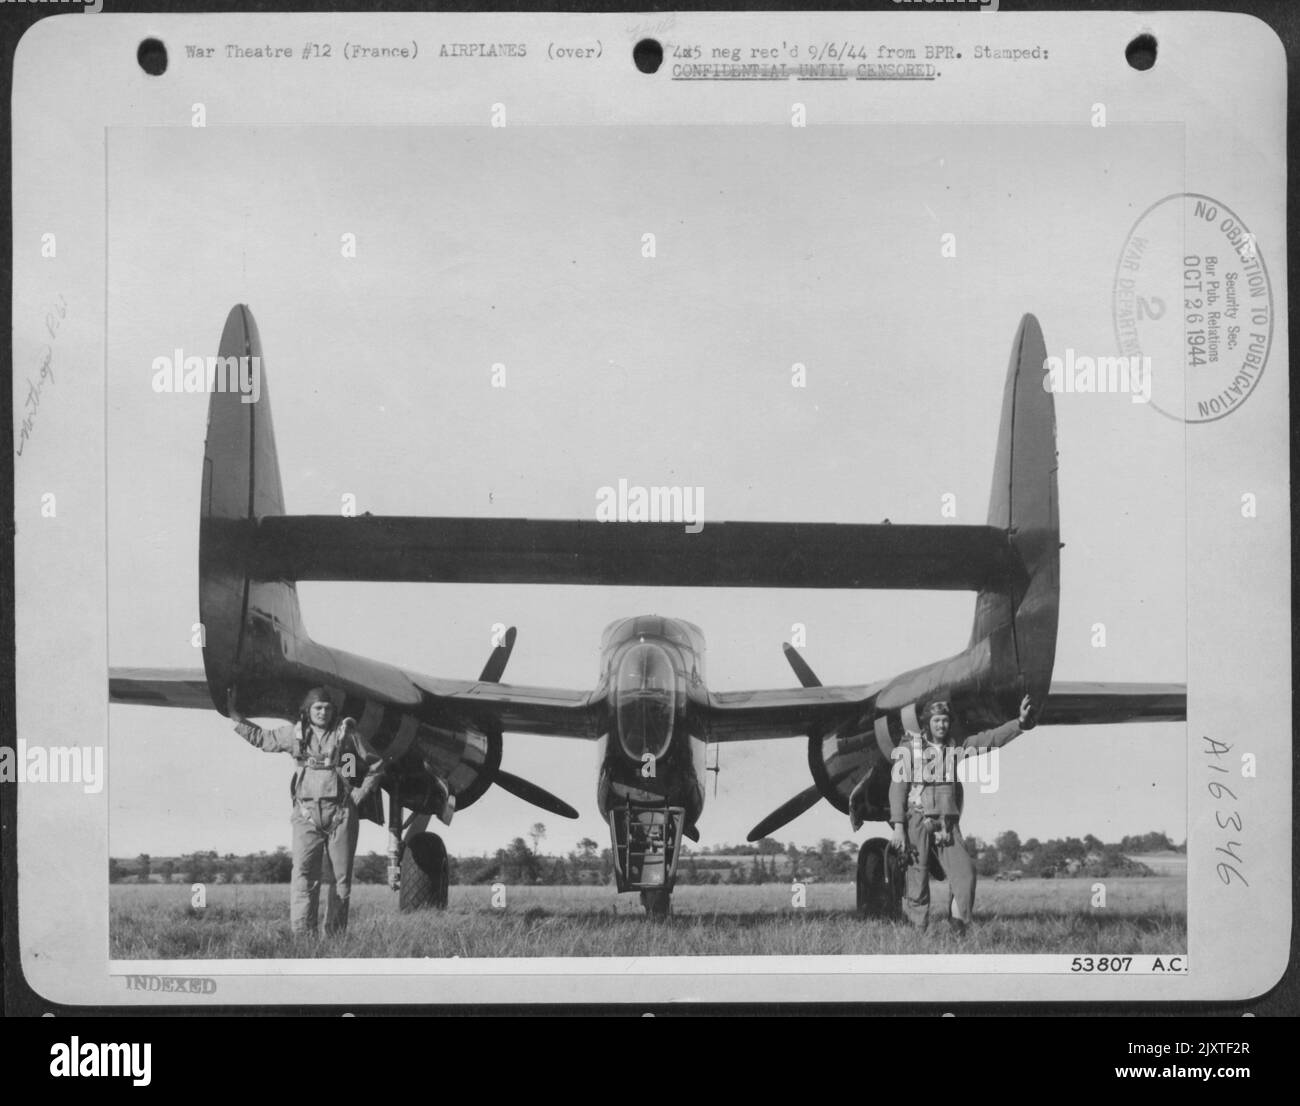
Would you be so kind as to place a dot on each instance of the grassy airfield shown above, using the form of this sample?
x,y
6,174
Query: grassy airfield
x,y
251,921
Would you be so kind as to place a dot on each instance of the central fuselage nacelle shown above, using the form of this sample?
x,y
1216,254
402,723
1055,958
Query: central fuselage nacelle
x,y
652,753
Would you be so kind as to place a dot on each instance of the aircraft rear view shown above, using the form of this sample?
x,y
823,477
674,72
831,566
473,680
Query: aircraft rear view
x,y
650,711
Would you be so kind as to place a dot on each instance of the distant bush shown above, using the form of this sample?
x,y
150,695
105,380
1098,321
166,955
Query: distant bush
x,y
1149,843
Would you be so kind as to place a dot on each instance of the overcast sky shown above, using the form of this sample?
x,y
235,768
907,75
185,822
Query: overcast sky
x,y
523,246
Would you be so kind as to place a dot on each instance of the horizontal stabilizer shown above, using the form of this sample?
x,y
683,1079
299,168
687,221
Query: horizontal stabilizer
x,y
160,687
1089,704
649,554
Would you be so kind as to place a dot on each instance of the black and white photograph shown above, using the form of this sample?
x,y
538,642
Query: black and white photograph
x,y
752,536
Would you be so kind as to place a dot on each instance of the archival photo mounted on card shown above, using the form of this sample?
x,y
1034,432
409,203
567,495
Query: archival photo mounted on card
x,y
759,507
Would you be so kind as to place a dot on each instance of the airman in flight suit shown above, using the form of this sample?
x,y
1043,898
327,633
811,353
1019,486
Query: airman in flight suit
x,y
924,812
325,818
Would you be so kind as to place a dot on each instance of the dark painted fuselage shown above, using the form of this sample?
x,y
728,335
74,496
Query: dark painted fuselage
x,y
652,748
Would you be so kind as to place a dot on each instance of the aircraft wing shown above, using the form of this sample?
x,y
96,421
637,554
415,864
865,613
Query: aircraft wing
x,y
1086,704
160,687
787,712
549,711
794,712
517,709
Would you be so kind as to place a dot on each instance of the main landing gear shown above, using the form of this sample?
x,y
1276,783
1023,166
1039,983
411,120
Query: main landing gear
x,y
880,880
424,874
418,868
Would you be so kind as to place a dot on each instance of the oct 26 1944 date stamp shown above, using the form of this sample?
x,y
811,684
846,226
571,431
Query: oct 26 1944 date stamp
x,y
1192,292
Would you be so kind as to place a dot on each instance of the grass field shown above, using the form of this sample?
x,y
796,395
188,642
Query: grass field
x,y
243,921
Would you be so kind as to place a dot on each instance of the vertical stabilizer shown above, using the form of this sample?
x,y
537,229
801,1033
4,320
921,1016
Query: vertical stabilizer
x,y
1016,621
248,623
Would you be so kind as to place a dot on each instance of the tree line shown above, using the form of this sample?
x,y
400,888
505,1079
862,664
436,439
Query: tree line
x,y
1066,856
766,861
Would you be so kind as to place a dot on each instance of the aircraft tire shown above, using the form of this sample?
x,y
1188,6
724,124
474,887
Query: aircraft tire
x,y
880,881
425,873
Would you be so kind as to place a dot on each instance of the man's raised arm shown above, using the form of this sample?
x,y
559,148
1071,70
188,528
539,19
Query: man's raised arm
x,y
1000,735
278,740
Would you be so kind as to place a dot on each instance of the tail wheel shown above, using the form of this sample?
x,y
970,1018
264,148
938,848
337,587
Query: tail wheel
x,y
424,874
880,881
658,904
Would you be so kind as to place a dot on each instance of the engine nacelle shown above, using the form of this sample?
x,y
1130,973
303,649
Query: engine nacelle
x,y
840,760
465,758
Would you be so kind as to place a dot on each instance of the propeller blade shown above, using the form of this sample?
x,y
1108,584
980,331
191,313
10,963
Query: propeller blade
x,y
531,793
496,662
806,675
788,811
692,832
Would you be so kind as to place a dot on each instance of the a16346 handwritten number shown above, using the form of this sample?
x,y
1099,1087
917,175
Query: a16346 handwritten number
x,y
1229,820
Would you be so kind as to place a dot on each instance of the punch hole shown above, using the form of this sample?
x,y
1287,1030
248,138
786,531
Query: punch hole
x,y
648,55
1141,52
152,56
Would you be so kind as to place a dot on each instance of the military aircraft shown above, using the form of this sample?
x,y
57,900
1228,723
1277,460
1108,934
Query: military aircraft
x,y
651,713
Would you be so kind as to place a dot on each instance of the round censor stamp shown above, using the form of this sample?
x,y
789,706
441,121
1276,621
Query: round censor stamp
x,y
1193,307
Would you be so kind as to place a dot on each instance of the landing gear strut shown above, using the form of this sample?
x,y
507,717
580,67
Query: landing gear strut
x,y
647,841
880,880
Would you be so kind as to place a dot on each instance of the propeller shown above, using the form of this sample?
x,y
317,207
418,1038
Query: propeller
x,y
802,669
531,793
789,810
517,786
496,662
